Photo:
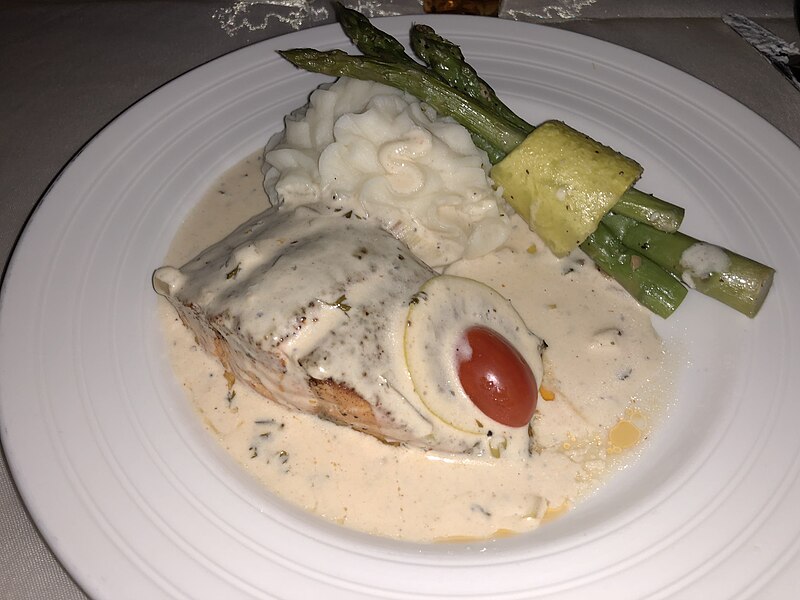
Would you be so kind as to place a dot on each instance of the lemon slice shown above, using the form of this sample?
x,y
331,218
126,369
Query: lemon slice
x,y
439,316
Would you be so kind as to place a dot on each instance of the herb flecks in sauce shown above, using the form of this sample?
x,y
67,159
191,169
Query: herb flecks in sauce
x,y
340,303
233,272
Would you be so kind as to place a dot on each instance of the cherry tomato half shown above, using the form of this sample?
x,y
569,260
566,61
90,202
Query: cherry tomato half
x,y
497,378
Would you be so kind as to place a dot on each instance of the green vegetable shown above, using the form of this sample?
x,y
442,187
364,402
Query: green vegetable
x,y
369,39
651,285
735,280
648,209
446,60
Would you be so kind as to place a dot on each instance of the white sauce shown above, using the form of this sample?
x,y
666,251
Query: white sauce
x,y
700,260
603,384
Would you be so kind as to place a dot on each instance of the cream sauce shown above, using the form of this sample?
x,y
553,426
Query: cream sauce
x,y
700,260
604,385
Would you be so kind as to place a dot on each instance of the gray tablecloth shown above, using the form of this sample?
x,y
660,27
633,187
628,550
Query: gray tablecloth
x,y
68,68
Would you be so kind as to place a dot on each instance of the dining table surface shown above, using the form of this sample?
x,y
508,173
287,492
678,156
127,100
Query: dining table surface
x,y
68,68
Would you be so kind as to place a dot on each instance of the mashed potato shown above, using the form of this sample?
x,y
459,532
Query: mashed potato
x,y
372,149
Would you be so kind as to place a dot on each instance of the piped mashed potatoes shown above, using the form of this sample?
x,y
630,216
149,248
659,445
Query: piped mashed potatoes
x,y
362,151
381,153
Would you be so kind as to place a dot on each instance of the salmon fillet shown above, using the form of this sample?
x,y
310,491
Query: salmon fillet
x,y
308,307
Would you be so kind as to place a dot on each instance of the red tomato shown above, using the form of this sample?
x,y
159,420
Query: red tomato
x,y
497,378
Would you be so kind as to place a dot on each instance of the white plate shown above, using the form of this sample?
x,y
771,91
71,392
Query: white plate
x,y
137,501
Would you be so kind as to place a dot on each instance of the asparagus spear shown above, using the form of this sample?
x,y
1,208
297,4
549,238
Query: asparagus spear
x,y
446,60
652,286
369,39
648,209
449,65
735,280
